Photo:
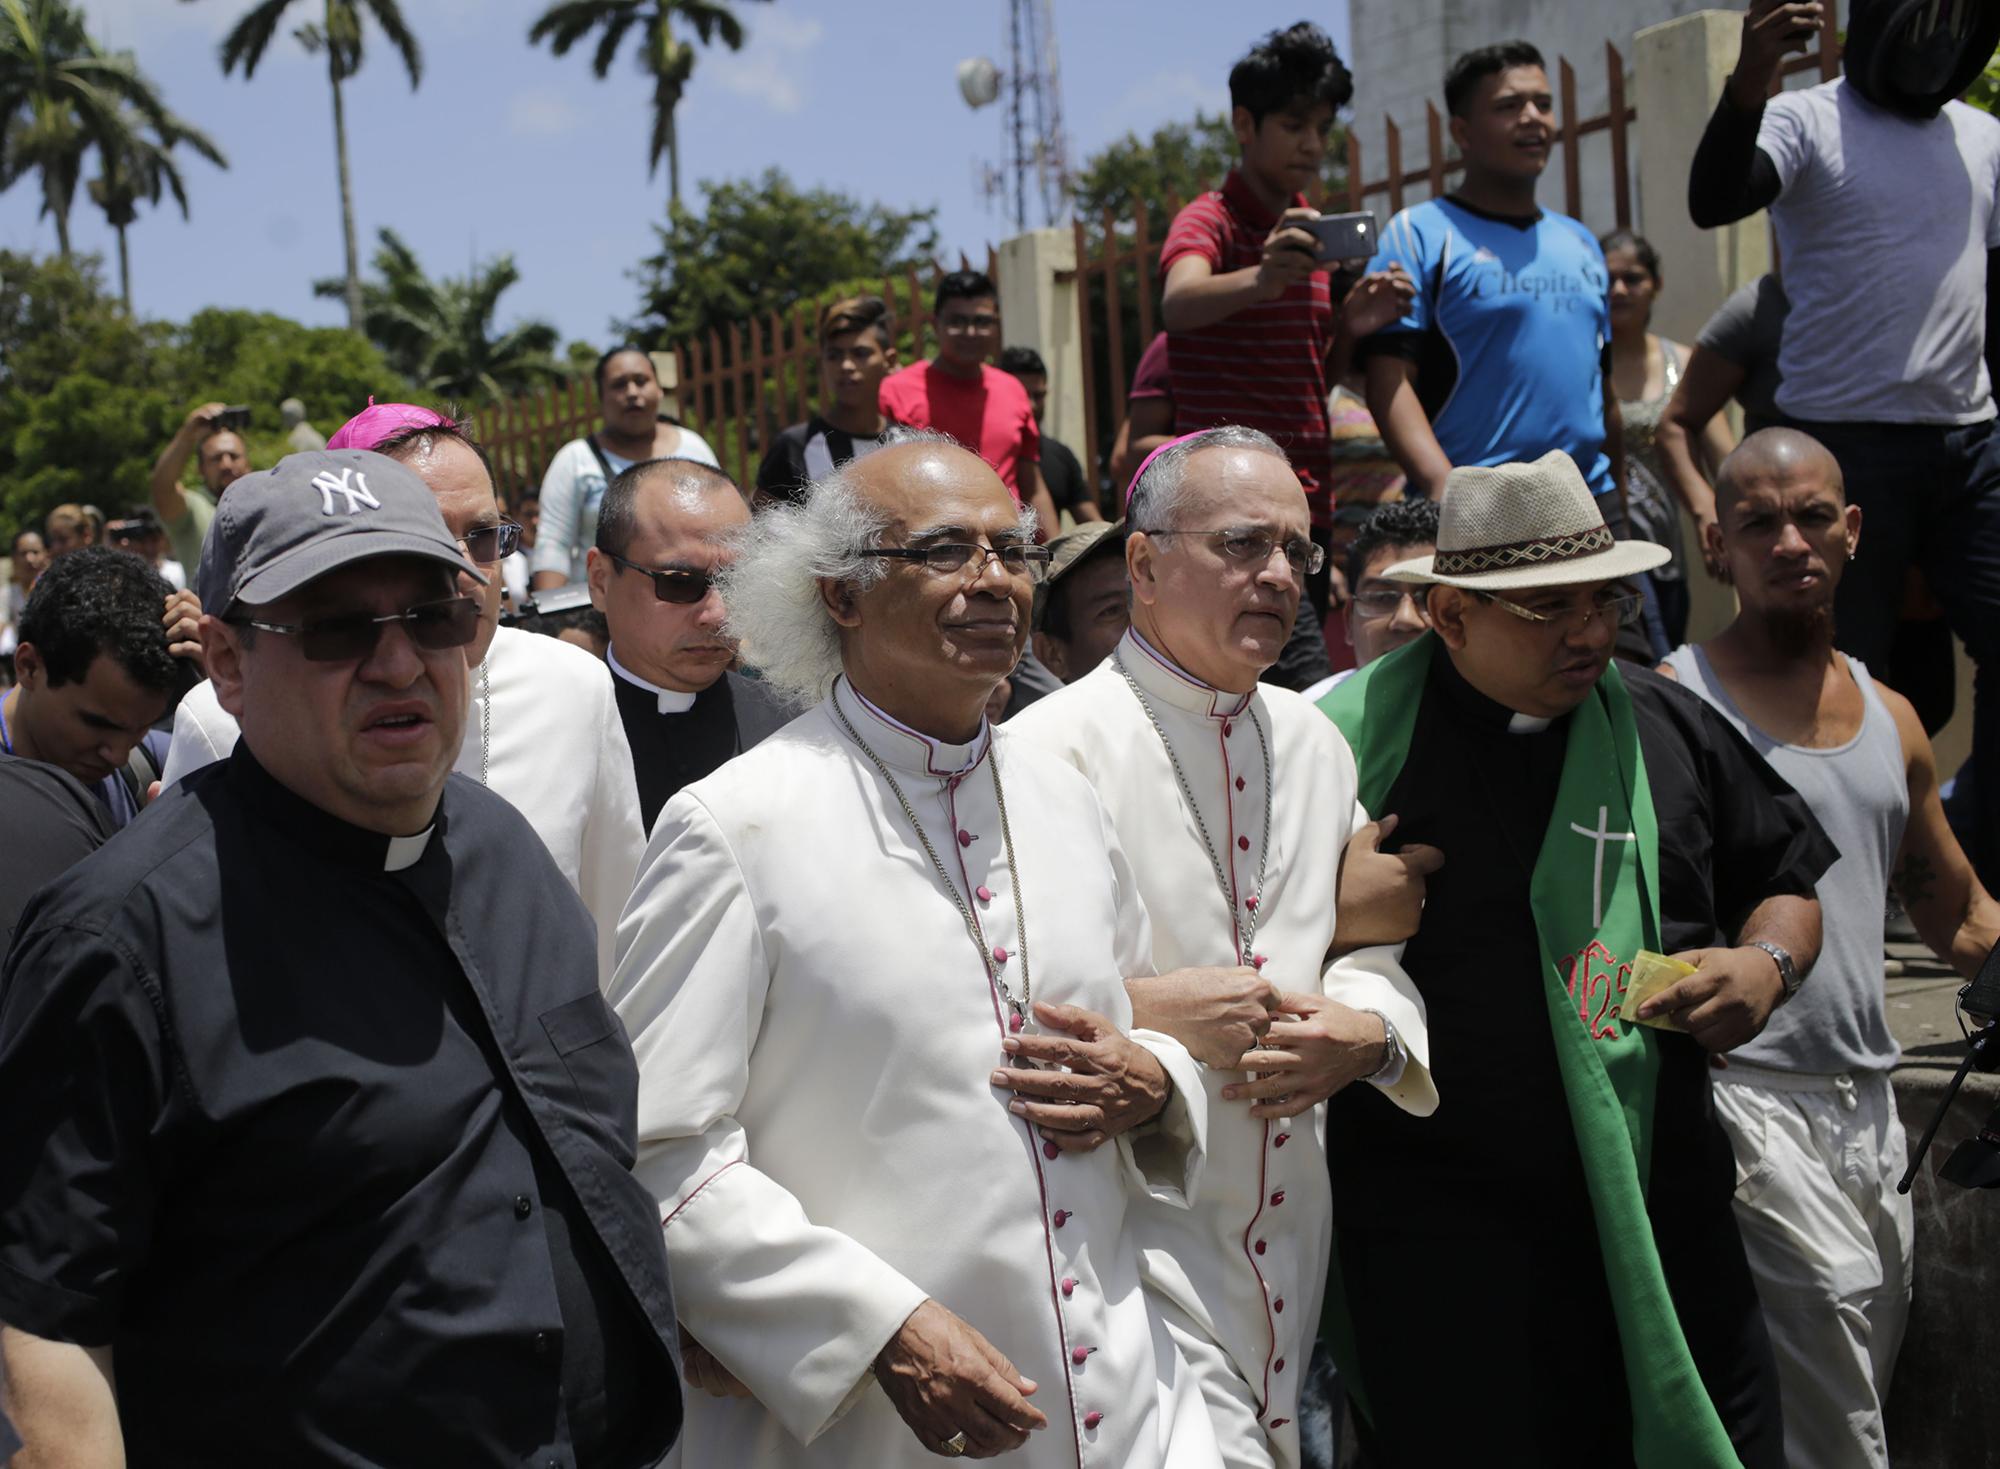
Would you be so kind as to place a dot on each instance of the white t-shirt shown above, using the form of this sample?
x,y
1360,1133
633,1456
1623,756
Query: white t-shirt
x,y
572,491
559,756
1884,222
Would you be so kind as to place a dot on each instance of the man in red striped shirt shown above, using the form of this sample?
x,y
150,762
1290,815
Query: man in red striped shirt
x,y
1249,310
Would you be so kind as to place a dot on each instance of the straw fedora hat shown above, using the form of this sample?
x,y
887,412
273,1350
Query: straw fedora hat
x,y
1524,525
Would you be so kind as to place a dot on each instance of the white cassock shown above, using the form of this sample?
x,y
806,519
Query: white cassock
x,y
1240,1275
816,1037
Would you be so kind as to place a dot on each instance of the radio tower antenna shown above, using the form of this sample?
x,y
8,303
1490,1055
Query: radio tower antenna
x,y
1034,150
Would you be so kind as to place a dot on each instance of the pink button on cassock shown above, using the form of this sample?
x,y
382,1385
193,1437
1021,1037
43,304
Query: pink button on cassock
x,y
985,894
1068,1286
1279,1365
1079,1355
999,955
1279,1422
1243,844
1014,1023
1061,1218
1051,1151
1227,729
1259,1247
1240,782
1258,961
1091,1420
1277,1198
965,838
1279,1305
1251,902
1281,1139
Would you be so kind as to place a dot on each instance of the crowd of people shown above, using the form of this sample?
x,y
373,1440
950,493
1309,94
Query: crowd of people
x,y
554,984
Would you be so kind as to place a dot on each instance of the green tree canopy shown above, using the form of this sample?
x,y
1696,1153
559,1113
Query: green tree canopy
x,y
89,396
440,333
1177,162
763,245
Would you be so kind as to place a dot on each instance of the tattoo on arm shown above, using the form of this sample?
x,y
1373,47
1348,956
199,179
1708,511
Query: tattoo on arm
x,y
1915,879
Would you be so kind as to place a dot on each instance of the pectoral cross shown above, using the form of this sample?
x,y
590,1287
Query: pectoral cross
x,y
1601,835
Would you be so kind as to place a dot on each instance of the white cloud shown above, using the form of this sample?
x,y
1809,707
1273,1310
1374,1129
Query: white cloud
x,y
541,112
769,67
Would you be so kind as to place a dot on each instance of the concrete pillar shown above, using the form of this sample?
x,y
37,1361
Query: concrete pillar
x,y
1036,276
1681,67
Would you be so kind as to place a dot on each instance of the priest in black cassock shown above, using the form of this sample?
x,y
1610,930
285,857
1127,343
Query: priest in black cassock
x,y
663,532
1561,1236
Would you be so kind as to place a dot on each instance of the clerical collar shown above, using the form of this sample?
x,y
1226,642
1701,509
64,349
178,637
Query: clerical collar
x,y
905,748
1162,678
672,701
1467,701
320,832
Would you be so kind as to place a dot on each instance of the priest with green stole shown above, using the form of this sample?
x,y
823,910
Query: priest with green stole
x,y
1546,1271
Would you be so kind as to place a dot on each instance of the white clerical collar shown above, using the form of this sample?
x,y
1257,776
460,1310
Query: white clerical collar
x,y
672,701
1162,678
1519,723
906,748
404,851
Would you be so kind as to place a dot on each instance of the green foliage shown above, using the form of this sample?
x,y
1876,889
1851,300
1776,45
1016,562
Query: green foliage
x,y
440,333
1985,91
1178,162
89,397
764,245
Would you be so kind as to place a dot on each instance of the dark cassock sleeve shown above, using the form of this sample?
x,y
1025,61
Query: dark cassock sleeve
x,y
85,1081
1732,832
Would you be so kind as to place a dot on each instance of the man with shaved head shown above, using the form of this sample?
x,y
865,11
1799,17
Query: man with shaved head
x,y
663,532
893,1105
1830,1246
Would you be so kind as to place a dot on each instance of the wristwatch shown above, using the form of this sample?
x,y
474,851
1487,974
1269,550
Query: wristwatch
x,y
1788,972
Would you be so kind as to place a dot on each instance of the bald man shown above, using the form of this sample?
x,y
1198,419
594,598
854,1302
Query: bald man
x,y
1829,1246
663,532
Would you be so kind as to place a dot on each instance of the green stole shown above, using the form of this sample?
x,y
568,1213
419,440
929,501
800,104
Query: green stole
x,y
1595,894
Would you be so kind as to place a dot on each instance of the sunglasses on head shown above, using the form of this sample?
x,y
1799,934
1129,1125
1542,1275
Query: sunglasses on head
x,y
349,637
683,587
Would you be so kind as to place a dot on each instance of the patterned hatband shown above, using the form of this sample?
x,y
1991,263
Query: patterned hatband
x,y
1592,542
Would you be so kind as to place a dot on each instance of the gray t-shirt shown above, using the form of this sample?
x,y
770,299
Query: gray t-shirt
x,y
1860,794
1884,222
1747,330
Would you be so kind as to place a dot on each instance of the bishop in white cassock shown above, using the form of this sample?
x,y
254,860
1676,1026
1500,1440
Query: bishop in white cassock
x,y
842,950
1235,801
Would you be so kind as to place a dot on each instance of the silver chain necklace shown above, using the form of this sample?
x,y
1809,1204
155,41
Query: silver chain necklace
x,y
1018,1008
485,719
1255,905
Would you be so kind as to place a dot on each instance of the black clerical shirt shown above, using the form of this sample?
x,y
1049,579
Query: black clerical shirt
x,y
333,1157
1500,1153
674,750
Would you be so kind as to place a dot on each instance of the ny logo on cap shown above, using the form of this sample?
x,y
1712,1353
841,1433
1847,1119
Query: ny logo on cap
x,y
352,484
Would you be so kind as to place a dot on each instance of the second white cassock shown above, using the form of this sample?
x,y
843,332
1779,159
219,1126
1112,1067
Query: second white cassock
x,y
1241,1275
816,1036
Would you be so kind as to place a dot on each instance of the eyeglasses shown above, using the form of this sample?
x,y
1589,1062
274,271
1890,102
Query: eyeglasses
x,y
1383,601
1623,608
675,584
350,637
1254,547
944,557
491,543
958,326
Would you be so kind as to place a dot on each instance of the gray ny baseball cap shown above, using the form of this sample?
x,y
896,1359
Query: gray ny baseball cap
x,y
312,513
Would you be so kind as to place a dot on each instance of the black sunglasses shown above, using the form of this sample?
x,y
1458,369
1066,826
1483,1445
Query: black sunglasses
x,y
683,587
491,543
350,637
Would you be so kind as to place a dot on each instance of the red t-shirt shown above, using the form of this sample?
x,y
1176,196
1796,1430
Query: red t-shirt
x,y
990,416
1264,367
1153,377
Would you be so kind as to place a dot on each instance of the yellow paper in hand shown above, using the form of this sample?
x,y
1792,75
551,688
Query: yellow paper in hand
x,y
1652,973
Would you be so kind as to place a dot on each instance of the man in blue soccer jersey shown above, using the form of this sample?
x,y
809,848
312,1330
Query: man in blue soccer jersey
x,y
1501,356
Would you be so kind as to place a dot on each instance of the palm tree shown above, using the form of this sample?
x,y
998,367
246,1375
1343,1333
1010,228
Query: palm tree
x,y
60,95
338,34
667,59
136,169
440,332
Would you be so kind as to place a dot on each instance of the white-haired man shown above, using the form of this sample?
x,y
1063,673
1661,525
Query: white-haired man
x,y
1613,813
1235,802
872,969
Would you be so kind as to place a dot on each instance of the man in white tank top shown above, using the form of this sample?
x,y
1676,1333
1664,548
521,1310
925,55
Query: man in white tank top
x,y
1808,1104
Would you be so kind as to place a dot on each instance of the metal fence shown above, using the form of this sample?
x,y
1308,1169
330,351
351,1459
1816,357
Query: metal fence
x,y
736,387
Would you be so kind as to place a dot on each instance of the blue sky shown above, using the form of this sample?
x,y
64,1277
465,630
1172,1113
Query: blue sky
x,y
505,147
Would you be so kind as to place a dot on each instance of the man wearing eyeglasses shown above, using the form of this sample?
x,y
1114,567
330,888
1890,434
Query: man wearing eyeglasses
x,y
542,727
1593,813
1383,615
892,1104
324,1127
663,534
959,392
1235,802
